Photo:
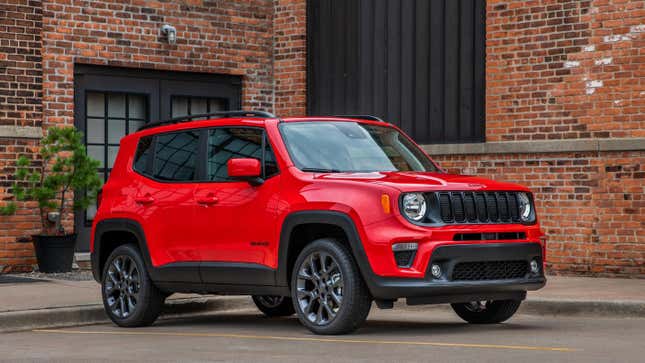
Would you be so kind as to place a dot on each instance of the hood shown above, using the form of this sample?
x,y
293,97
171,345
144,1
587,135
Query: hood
x,y
423,181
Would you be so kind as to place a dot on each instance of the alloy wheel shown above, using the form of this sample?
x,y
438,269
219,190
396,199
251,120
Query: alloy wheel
x,y
320,288
122,286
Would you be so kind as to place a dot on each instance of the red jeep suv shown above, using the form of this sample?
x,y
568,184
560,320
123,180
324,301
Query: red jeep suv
x,y
318,216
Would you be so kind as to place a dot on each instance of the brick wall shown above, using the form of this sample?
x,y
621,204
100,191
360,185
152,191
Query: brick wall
x,y
20,106
591,205
227,37
565,69
290,64
572,71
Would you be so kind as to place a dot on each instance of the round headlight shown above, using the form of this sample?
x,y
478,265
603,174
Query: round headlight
x,y
414,206
524,205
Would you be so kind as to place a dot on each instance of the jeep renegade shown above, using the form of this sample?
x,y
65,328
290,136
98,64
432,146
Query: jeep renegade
x,y
317,216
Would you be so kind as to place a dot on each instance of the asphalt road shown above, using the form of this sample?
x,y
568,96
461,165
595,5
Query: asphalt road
x,y
426,334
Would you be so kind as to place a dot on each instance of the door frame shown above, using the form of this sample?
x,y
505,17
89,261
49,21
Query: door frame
x,y
159,86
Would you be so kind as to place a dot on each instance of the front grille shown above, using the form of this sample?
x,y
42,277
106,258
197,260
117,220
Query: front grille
x,y
477,207
489,270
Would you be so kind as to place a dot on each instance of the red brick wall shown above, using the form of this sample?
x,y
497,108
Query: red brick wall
x,y
227,37
290,64
565,69
20,105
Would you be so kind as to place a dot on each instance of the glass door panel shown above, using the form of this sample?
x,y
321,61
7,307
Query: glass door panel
x,y
109,117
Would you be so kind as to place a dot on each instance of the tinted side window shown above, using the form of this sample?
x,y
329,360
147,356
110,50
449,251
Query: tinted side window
x,y
270,165
143,155
237,142
230,143
176,156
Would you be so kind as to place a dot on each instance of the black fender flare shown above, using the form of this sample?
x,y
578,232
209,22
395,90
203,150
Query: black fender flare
x,y
338,219
118,225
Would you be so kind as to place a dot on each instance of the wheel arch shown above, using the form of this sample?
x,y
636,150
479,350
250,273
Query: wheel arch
x,y
111,233
337,222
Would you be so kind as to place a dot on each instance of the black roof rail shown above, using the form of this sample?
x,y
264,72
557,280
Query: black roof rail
x,y
218,114
362,117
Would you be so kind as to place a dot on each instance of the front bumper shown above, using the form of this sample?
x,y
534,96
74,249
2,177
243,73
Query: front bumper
x,y
446,289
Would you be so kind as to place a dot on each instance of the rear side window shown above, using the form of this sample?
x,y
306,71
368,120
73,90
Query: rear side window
x,y
142,156
176,156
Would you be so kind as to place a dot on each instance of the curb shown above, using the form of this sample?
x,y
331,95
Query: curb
x,y
559,308
568,307
14,321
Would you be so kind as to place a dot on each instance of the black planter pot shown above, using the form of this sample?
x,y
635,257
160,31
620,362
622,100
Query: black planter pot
x,y
55,253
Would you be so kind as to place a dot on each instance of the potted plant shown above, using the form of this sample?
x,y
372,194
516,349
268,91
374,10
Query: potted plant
x,y
62,169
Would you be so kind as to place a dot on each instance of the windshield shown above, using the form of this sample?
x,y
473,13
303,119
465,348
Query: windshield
x,y
351,147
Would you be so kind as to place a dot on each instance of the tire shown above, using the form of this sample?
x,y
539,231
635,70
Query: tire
x,y
274,306
333,300
129,296
487,312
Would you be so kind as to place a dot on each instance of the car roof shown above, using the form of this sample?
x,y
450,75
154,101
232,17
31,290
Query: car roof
x,y
247,121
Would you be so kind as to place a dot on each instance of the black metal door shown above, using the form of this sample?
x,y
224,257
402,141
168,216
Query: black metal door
x,y
416,63
110,103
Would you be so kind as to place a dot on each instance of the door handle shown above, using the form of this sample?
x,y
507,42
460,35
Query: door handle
x,y
146,199
207,200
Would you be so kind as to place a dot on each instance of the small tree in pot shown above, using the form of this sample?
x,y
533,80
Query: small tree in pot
x,y
64,168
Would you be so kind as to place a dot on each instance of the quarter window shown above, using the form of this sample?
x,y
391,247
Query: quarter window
x,y
143,154
176,156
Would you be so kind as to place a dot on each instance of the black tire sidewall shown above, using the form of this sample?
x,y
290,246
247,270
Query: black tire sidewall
x,y
285,308
352,311
146,304
496,312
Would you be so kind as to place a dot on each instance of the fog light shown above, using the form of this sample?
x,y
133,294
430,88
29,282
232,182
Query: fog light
x,y
404,253
435,270
535,266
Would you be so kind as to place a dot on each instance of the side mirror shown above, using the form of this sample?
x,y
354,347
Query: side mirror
x,y
245,169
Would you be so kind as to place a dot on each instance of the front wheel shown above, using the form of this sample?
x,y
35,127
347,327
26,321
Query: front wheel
x,y
487,312
328,292
129,296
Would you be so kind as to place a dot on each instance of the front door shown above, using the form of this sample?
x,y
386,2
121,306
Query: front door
x,y
237,219
110,103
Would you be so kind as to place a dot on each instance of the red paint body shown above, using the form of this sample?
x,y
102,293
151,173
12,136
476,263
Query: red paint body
x,y
239,222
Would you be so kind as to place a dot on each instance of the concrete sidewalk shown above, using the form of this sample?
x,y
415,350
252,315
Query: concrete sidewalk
x,y
49,303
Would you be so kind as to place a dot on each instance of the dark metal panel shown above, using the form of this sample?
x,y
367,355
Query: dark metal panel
x,y
437,74
451,69
417,63
421,74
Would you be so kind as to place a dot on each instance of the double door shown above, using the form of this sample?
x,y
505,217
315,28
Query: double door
x,y
110,103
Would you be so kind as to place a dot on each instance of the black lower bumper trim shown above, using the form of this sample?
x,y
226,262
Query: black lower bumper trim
x,y
444,289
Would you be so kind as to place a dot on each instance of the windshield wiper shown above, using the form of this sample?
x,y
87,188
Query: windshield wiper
x,y
320,170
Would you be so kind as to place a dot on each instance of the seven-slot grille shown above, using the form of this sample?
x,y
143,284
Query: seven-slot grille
x,y
478,207
489,270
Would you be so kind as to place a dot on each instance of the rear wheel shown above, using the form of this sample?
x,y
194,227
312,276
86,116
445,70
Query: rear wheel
x,y
486,312
327,289
129,296
274,305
